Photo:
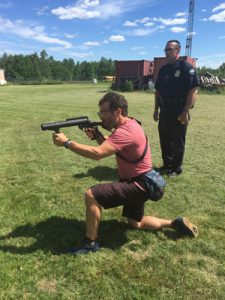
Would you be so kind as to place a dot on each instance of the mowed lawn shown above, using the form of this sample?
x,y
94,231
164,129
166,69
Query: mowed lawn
x,y
42,209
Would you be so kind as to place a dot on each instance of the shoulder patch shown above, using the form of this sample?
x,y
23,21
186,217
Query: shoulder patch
x,y
192,71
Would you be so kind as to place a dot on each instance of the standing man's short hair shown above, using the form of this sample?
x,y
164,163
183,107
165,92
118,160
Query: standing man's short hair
x,y
175,41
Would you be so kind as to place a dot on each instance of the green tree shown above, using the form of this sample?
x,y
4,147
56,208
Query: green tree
x,y
44,66
106,67
3,61
35,66
69,66
56,69
84,71
221,71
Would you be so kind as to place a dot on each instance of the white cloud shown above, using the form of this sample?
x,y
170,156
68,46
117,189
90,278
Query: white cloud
x,y
82,54
181,14
177,29
111,9
169,22
142,32
87,9
191,33
143,20
88,3
220,6
220,17
161,27
137,48
71,36
116,38
217,17
149,24
91,44
39,28
56,49
203,10
142,53
34,33
204,19
222,37
42,11
130,24
69,13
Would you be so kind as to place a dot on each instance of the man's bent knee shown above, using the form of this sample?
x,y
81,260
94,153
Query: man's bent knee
x,y
90,200
89,195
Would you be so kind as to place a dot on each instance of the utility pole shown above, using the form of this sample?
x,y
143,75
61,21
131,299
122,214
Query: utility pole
x,y
190,28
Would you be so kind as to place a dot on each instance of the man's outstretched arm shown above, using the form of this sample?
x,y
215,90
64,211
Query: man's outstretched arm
x,y
96,153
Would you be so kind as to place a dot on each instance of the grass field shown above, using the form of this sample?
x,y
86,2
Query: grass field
x,y
42,209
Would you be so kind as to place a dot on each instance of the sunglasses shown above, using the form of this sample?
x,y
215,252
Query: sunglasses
x,y
101,112
169,49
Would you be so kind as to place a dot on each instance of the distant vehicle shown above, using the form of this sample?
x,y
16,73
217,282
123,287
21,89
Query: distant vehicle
x,y
108,78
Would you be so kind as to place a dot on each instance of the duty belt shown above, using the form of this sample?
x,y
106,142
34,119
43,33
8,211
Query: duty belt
x,y
171,101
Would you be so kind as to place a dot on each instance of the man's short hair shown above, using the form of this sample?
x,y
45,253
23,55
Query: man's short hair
x,y
175,41
115,101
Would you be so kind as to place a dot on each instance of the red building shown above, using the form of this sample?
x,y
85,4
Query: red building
x,y
137,71
141,72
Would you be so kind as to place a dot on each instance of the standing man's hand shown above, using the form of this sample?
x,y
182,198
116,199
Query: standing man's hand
x,y
156,108
184,118
156,116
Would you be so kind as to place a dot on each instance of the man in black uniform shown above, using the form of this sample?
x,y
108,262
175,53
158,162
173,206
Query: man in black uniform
x,y
176,89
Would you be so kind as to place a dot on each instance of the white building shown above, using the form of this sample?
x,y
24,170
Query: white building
x,y
2,77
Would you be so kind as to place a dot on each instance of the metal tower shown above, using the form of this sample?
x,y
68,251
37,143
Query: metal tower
x,y
190,28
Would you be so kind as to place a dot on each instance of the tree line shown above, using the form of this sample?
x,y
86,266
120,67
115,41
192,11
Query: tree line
x,y
43,68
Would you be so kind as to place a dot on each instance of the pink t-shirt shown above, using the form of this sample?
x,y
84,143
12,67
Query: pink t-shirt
x,y
130,140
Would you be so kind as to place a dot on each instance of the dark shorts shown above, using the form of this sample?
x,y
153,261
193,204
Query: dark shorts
x,y
126,194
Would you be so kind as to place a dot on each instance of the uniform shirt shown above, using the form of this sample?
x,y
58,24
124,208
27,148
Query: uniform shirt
x,y
175,80
130,141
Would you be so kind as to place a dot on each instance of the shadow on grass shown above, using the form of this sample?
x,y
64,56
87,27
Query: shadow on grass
x,y
103,91
100,173
57,234
173,235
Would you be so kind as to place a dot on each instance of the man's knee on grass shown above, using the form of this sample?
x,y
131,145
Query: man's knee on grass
x,y
133,223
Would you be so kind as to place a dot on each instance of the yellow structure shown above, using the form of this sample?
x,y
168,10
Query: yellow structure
x,y
108,78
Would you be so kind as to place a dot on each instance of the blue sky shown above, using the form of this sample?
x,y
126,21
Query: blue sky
x,y
119,29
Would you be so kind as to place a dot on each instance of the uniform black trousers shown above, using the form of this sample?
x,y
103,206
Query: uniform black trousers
x,y
172,136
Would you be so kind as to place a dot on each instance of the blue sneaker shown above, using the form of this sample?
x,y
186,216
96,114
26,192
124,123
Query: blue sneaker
x,y
183,225
85,249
